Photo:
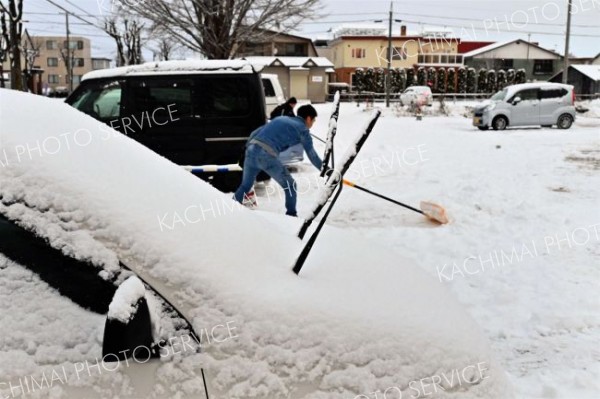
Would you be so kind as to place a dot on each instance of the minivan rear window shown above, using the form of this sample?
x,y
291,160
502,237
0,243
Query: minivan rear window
x,y
553,93
269,89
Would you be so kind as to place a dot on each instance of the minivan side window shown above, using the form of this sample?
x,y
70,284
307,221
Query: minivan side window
x,y
552,93
152,95
100,100
527,94
269,89
224,97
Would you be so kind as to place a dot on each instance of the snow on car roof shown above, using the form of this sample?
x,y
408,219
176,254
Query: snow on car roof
x,y
175,67
534,85
358,318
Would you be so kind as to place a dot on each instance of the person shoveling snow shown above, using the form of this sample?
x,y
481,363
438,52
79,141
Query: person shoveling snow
x,y
263,149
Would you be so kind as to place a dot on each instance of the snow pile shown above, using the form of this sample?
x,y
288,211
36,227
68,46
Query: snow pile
x,y
357,319
125,300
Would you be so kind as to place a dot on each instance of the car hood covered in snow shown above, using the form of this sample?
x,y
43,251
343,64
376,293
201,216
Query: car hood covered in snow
x,y
358,319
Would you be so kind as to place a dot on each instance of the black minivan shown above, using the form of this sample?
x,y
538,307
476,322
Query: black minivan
x,y
194,113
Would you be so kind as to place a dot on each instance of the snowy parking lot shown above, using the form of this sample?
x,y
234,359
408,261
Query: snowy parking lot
x,y
522,250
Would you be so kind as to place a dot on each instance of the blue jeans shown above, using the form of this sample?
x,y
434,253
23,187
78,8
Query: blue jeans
x,y
258,159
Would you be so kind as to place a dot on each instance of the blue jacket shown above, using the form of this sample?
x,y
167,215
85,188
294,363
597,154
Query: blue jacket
x,y
286,131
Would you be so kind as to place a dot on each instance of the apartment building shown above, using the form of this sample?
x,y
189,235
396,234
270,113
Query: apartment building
x,y
54,53
49,66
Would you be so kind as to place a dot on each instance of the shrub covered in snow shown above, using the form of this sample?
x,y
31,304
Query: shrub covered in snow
x,y
421,77
441,80
491,81
510,77
410,77
471,80
520,76
462,80
451,81
482,81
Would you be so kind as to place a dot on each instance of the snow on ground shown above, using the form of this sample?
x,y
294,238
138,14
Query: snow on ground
x,y
359,318
523,248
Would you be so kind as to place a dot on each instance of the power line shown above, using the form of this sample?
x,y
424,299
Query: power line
x,y
71,13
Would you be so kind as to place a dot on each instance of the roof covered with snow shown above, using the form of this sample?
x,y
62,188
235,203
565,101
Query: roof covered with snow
x,y
591,71
497,45
291,62
175,67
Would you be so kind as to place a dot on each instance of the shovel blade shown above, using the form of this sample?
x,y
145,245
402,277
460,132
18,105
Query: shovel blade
x,y
434,212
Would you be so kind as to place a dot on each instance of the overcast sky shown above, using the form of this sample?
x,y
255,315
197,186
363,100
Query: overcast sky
x,y
485,20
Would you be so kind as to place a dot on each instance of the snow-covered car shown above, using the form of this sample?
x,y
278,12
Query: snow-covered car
x,y
122,275
417,95
528,104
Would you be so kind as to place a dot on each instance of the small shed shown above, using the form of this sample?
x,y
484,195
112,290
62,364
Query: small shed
x,y
585,78
305,78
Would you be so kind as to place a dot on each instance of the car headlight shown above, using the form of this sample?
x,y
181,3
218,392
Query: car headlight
x,y
490,107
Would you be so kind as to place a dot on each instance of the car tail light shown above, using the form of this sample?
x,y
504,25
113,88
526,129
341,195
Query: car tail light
x,y
573,97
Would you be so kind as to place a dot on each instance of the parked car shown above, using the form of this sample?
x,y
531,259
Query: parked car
x,y
274,97
193,113
417,95
528,104
108,249
273,92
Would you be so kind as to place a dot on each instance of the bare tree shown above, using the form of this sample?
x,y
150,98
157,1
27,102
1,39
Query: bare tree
x,y
164,48
4,45
31,50
127,33
217,28
67,53
14,12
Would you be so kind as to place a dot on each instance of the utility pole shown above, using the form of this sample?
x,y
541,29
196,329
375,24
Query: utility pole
x,y
565,74
389,60
528,46
69,57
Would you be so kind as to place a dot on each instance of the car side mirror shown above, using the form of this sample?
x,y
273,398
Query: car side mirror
x,y
516,100
128,329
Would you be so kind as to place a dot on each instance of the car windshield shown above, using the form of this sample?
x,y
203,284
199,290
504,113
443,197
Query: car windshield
x,y
501,95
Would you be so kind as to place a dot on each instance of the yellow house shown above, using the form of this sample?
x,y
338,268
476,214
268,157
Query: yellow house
x,y
351,52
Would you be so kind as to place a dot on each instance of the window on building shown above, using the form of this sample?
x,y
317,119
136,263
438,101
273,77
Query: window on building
x,y
50,45
541,67
296,50
77,79
359,53
53,79
80,44
52,61
506,64
73,45
399,53
78,62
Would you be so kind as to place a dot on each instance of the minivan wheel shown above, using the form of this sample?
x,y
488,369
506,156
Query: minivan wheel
x,y
565,121
499,123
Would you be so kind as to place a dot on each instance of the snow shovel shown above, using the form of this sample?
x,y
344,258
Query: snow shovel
x,y
432,211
